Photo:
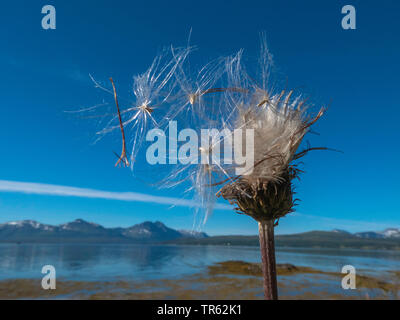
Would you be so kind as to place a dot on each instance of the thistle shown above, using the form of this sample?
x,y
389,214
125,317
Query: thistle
x,y
225,97
266,192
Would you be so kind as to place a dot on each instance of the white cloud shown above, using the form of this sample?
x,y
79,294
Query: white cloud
x,y
64,191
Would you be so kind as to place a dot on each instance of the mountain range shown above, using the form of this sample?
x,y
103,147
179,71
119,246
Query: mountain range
x,y
388,239
83,231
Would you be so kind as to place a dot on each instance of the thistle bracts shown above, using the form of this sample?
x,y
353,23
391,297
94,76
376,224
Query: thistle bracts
x,y
262,200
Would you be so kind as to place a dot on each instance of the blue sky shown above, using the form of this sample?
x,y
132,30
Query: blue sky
x,y
46,72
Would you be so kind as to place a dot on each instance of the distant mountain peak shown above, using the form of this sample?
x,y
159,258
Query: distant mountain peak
x,y
22,223
86,222
151,230
391,232
193,234
340,231
388,233
81,221
80,224
26,225
151,223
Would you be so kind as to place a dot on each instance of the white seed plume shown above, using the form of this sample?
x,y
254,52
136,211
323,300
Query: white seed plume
x,y
224,96
279,128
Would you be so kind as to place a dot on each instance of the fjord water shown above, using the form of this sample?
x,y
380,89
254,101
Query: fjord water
x,y
102,262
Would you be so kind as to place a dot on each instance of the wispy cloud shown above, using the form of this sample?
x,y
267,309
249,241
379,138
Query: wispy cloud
x,y
64,191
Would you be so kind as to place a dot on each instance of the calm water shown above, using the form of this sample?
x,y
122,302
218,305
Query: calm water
x,y
142,262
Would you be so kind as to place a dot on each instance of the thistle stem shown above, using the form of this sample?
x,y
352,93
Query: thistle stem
x,y
267,246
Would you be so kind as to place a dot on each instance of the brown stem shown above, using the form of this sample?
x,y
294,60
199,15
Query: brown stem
x,y
267,246
123,158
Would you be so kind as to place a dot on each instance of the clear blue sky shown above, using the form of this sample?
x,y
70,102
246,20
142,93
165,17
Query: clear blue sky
x,y
44,73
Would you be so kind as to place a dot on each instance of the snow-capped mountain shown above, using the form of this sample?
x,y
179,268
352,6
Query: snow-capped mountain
x,y
31,223
83,231
151,230
340,231
389,233
369,235
26,224
193,234
80,225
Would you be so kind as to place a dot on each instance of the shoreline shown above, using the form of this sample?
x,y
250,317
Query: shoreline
x,y
228,280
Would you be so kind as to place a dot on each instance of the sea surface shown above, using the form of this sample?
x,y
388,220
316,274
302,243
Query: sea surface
x,y
102,262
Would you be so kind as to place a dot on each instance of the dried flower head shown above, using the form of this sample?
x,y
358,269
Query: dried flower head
x,y
222,96
265,192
